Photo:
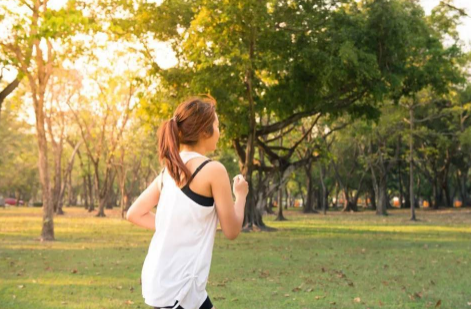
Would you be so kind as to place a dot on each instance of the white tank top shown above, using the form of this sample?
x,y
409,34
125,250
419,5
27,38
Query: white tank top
x,y
177,264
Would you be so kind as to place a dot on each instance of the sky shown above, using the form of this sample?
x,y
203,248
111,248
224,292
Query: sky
x,y
465,28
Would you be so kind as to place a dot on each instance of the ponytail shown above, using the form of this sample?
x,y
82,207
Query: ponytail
x,y
191,119
169,152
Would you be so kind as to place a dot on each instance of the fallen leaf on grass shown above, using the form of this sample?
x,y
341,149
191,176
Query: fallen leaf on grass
x,y
415,295
439,303
264,274
357,299
128,302
21,286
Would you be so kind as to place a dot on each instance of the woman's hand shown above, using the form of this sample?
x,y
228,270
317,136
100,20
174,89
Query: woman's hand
x,y
240,187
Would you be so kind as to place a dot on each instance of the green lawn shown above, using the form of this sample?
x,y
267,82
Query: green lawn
x,y
314,261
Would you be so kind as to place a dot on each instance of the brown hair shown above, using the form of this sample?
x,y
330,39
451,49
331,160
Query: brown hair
x,y
191,118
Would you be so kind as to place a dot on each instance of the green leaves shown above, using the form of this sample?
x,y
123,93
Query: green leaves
x,y
63,23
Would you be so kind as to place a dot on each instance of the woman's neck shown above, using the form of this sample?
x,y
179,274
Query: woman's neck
x,y
195,148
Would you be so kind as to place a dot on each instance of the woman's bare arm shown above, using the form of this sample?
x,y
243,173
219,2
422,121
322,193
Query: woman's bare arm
x,y
230,213
140,211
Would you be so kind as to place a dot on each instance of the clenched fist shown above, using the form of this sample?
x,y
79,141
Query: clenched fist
x,y
240,187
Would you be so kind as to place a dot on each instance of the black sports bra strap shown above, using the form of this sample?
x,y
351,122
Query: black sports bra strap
x,y
196,171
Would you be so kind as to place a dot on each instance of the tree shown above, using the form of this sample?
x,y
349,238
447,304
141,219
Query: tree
x,y
33,47
277,60
114,104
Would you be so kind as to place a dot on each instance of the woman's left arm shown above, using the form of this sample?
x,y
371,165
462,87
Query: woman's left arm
x,y
140,211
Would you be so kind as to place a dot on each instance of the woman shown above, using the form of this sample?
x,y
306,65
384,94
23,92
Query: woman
x,y
190,200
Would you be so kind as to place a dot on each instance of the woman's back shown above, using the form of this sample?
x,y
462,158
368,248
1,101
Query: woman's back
x,y
179,257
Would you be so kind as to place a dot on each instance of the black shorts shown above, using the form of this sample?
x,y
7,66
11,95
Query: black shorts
x,y
206,305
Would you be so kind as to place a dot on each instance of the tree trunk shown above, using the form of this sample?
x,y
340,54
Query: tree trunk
x,y
57,148
383,196
85,192
446,189
280,216
47,232
270,205
91,194
436,195
56,192
287,198
318,199
17,197
335,205
309,206
411,166
416,200
7,90
462,178
253,215
324,190
401,190
373,199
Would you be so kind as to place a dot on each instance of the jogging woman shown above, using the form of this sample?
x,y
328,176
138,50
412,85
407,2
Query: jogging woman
x,y
192,194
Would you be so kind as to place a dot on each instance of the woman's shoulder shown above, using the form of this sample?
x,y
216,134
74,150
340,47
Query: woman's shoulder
x,y
212,168
216,165
216,171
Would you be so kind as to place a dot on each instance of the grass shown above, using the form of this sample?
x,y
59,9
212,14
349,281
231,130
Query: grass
x,y
311,261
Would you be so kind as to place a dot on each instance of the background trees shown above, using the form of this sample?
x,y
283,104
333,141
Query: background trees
x,y
321,102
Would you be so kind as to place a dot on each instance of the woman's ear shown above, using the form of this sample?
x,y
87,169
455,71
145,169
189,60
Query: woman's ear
x,y
205,135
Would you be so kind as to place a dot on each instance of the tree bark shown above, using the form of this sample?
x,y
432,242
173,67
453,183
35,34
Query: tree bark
x,y
7,91
411,165
67,175
57,149
383,196
309,207
280,216
324,190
